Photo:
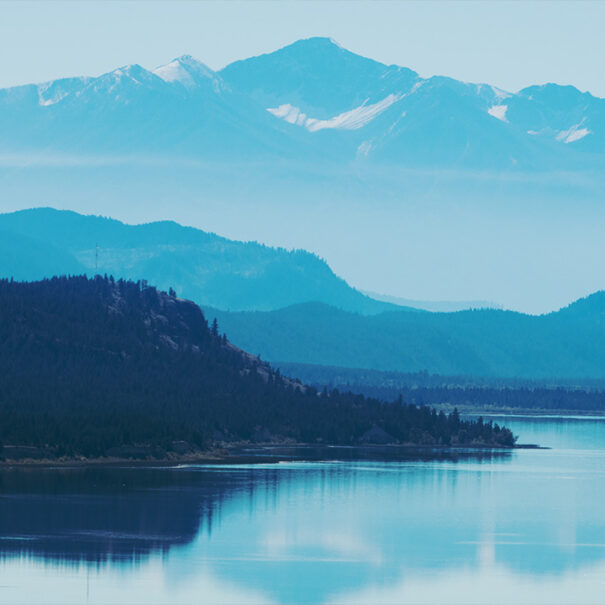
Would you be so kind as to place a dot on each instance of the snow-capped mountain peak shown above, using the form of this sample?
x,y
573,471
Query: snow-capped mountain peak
x,y
127,77
187,71
134,71
316,43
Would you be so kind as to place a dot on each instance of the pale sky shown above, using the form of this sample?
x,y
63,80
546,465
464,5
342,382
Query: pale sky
x,y
508,44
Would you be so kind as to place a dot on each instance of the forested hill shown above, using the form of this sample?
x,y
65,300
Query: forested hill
x,y
97,366
204,267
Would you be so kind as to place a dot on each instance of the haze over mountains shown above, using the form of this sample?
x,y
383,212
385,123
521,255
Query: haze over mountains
x,y
289,306
389,176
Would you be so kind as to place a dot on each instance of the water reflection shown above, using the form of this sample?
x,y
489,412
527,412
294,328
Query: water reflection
x,y
299,532
100,513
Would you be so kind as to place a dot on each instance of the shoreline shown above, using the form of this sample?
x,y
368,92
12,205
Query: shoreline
x,y
488,411
265,453
274,453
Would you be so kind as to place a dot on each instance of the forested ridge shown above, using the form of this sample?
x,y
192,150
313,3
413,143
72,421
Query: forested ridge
x,y
201,266
91,365
560,347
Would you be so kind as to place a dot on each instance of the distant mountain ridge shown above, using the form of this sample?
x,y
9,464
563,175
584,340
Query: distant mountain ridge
x,y
318,85
308,101
441,306
567,344
204,267
183,109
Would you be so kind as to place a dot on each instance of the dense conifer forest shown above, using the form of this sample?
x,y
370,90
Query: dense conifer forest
x,y
94,367
467,392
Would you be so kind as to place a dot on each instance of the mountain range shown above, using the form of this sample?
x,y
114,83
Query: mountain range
x,y
311,100
560,346
389,175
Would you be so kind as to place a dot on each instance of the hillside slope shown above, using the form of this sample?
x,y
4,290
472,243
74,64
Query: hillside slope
x,y
97,367
204,267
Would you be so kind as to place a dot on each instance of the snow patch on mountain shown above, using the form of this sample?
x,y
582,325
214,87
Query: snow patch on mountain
x,y
289,113
500,94
44,100
356,118
575,133
349,120
498,112
364,149
50,93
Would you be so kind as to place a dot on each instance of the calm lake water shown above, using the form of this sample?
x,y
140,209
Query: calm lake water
x,y
524,527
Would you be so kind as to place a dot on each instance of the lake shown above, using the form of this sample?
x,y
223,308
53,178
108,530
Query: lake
x,y
526,526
